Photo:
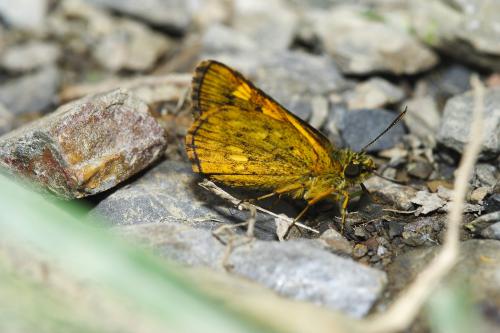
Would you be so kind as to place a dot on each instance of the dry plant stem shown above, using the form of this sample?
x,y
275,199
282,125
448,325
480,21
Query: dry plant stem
x,y
210,186
405,308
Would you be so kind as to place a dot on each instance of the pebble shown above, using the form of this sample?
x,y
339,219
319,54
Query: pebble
x,y
420,169
362,45
423,117
24,14
30,56
457,117
373,93
336,242
31,93
492,231
398,195
359,250
85,147
361,126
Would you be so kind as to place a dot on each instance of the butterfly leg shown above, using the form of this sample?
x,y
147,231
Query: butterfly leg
x,y
310,203
344,210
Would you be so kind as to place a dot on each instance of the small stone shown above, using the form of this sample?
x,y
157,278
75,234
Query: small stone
x,y
421,231
423,117
362,45
429,202
24,14
359,250
360,232
29,56
361,126
420,169
479,194
85,147
336,242
492,231
395,229
373,93
398,195
457,117
30,93
483,222
297,269
6,120
492,204
170,14
484,175
130,46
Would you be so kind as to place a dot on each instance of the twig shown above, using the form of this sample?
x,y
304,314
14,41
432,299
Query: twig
x,y
210,186
405,308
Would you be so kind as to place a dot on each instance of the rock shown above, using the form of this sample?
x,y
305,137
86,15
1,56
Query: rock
x,y
85,147
492,204
373,93
32,92
361,126
448,81
492,231
469,33
218,38
362,45
478,194
483,222
484,175
271,24
429,202
423,117
130,46
457,117
29,56
477,268
170,193
334,241
6,120
359,250
173,14
398,195
420,169
298,269
24,14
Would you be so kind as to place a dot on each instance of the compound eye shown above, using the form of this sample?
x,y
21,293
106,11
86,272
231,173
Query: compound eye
x,y
352,170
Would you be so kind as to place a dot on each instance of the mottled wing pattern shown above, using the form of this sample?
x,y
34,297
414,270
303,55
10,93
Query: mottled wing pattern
x,y
242,137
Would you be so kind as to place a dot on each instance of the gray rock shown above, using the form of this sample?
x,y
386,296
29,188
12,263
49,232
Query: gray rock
x,y
477,268
363,45
85,147
174,14
32,92
361,126
170,193
398,195
130,46
373,93
484,175
481,223
420,169
423,117
457,117
422,231
6,120
29,56
218,38
493,231
300,270
271,24
334,241
24,14
469,31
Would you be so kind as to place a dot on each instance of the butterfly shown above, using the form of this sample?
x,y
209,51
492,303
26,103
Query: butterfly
x,y
242,137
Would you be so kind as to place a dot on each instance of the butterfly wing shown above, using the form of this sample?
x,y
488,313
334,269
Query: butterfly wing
x,y
242,137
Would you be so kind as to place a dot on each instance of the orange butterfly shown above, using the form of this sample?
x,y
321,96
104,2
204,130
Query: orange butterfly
x,y
242,137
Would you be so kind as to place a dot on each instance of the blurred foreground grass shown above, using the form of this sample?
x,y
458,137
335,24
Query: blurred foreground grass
x,y
142,286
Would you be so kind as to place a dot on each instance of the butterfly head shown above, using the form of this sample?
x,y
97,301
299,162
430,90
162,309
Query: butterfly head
x,y
356,166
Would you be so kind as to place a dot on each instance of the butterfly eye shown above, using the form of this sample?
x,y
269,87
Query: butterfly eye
x,y
352,170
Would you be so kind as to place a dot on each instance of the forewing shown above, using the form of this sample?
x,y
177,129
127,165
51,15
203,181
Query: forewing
x,y
243,137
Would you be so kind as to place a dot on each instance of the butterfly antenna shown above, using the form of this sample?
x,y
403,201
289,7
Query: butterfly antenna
x,y
387,178
394,122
